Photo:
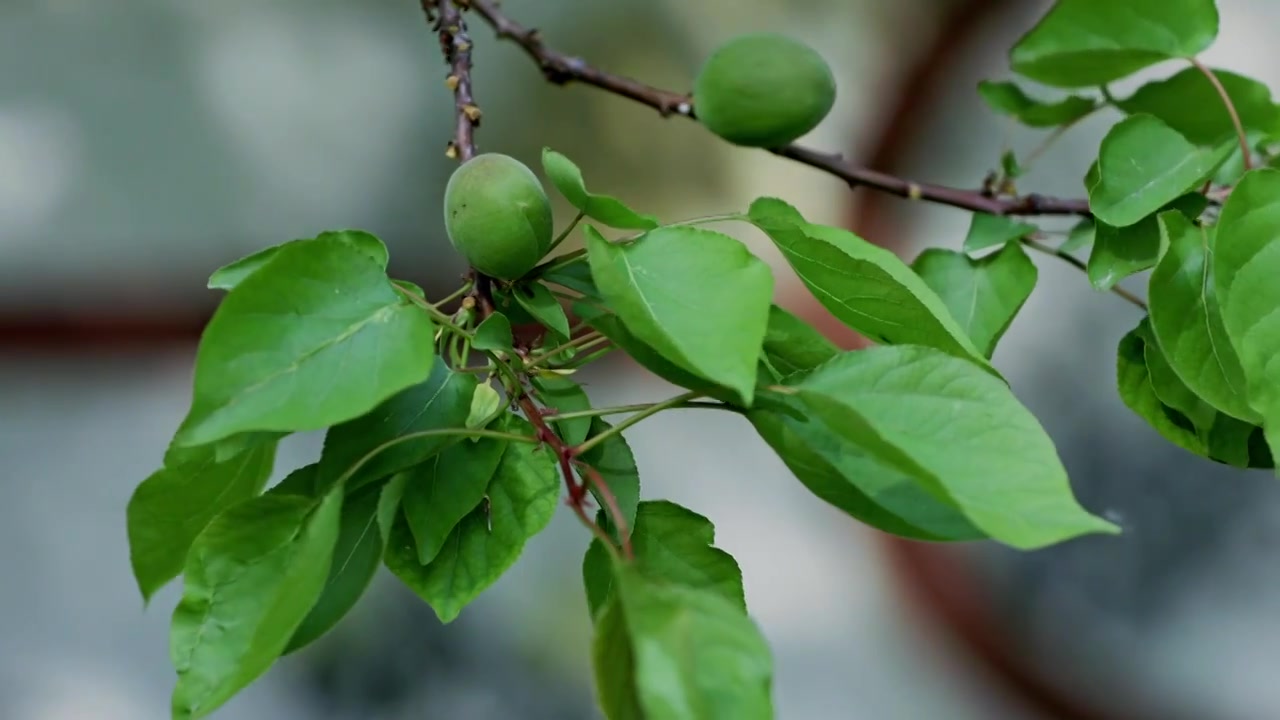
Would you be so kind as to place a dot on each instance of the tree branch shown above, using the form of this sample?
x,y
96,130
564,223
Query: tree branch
x,y
455,45
562,69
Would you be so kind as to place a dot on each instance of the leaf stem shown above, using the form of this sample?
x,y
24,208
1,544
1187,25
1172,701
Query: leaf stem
x,y
1082,267
460,432
435,313
1231,109
649,411
561,237
638,407
582,341
596,480
466,288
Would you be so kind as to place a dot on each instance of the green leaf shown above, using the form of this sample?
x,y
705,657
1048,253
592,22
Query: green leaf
x,y
538,301
1188,322
389,502
1246,266
442,491
575,276
988,231
227,448
494,333
697,656
485,405
611,327
1007,98
229,276
1080,238
1143,165
1119,252
605,209
316,336
1082,43
959,432
1188,103
793,346
563,395
411,287
442,402
983,295
170,508
611,657
672,544
251,578
700,298
1157,395
356,557
616,464
1138,394
866,287
855,481
522,498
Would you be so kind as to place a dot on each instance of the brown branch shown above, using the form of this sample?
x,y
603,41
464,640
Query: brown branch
x,y
562,69
455,45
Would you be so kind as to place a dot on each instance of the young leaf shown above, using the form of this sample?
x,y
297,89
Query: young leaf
x,y
958,431
697,656
674,545
1143,165
485,405
442,402
983,295
605,209
846,476
866,287
617,467
1009,165
988,231
443,490
1188,103
356,557
251,578
1246,265
538,301
1187,321
316,336
793,346
1083,43
1080,238
1007,98
522,499
564,396
229,276
700,298
170,508
494,333
389,501
1119,252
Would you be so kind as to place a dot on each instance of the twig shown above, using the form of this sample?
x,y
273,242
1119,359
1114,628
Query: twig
x,y
455,45
1082,267
1231,109
562,69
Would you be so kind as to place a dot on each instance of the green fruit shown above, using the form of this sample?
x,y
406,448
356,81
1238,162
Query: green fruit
x,y
763,90
497,215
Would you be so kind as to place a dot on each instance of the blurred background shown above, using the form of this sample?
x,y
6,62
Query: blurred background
x,y
145,142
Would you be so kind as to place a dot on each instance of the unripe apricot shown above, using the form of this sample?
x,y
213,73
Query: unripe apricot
x,y
763,90
497,215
